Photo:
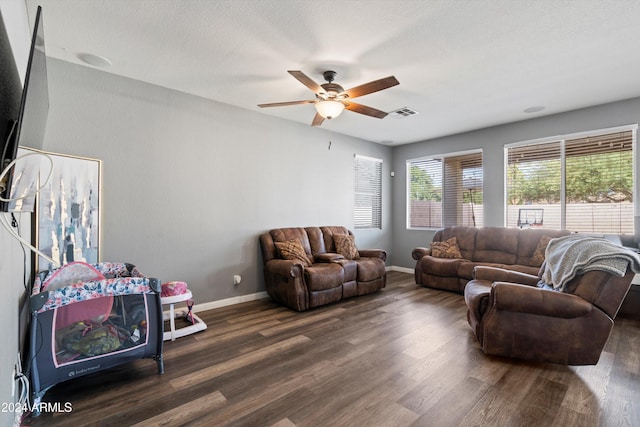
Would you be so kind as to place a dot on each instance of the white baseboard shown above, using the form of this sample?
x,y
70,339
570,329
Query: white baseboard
x,y
260,295
229,301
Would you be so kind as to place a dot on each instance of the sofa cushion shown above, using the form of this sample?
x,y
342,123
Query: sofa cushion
x,y
447,249
538,255
346,246
293,233
328,232
316,241
497,245
320,277
350,268
528,240
465,238
293,250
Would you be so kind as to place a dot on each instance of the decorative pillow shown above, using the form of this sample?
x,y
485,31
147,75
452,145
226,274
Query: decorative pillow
x,y
538,255
346,246
447,249
71,273
293,250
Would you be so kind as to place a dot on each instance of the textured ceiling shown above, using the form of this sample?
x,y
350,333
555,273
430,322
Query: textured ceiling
x,y
462,65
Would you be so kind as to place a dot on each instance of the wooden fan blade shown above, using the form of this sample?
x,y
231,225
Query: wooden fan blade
x,y
371,87
317,120
283,104
363,109
307,81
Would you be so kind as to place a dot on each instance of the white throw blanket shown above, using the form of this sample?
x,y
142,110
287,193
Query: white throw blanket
x,y
576,254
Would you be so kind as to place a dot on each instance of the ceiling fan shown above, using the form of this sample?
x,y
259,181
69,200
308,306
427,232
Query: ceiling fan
x,y
332,99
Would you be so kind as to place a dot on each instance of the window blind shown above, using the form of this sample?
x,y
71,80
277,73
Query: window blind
x,y
367,212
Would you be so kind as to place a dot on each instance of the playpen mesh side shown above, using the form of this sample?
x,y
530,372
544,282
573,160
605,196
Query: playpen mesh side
x,y
51,364
84,330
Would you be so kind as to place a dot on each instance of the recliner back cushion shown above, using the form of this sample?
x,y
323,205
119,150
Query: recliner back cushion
x,y
316,240
286,234
528,240
465,238
328,233
496,245
602,289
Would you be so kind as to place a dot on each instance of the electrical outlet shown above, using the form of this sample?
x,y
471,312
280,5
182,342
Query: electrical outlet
x,y
237,279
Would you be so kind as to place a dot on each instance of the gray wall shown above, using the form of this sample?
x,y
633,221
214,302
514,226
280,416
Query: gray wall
x,y
492,141
189,184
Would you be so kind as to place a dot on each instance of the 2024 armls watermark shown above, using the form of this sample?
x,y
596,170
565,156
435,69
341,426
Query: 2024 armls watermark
x,y
38,407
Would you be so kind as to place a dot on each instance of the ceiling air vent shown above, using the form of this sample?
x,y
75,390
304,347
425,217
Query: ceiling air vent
x,y
403,112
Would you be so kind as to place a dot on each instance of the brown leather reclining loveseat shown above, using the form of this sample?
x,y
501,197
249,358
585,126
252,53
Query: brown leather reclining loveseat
x,y
455,251
323,266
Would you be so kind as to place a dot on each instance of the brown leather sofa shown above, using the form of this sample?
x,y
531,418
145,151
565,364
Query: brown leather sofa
x,y
327,276
507,248
512,317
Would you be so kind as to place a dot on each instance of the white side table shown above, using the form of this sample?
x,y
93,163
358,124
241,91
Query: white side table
x,y
172,314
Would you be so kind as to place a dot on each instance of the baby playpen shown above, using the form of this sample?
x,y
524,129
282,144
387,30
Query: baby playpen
x,y
89,317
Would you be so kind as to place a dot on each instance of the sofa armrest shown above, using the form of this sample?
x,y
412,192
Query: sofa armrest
x,y
526,299
327,257
419,252
495,274
373,253
284,267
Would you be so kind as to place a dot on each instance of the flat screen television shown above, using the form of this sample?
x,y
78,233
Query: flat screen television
x,y
23,117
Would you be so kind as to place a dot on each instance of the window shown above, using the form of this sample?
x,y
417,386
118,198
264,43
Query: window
x,y
367,212
581,183
445,191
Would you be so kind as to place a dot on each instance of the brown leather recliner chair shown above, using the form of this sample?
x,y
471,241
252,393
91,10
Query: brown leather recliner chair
x,y
512,317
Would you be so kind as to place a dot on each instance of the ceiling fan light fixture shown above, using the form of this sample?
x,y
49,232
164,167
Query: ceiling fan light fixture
x,y
329,109
332,99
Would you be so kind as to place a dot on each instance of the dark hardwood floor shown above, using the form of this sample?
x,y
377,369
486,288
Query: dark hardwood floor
x,y
402,357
